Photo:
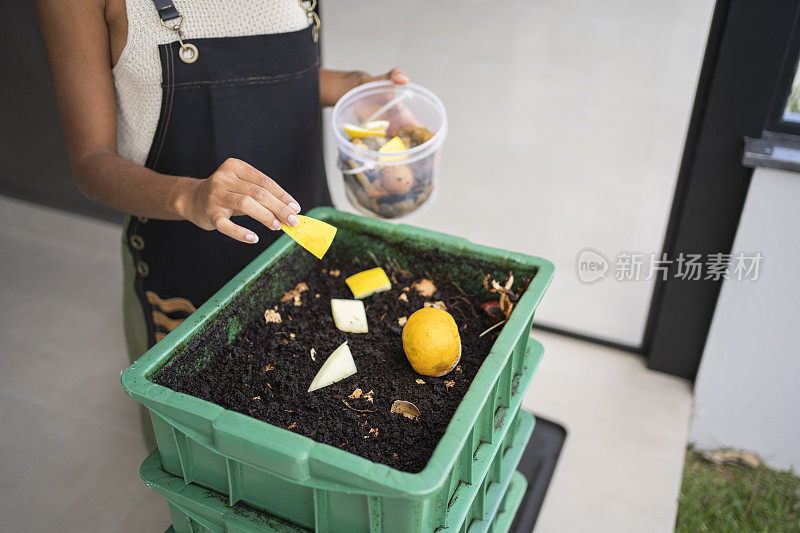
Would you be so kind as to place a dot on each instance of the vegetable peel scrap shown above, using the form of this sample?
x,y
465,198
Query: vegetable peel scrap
x,y
338,366
349,315
407,409
394,145
314,235
424,287
354,409
295,295
368,282
272,316
507,297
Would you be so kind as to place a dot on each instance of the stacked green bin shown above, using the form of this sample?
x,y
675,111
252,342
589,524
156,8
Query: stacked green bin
x,y
490,505
314,485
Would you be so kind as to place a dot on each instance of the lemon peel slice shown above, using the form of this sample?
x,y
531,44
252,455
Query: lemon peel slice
x,y
357,132
314,235
368,282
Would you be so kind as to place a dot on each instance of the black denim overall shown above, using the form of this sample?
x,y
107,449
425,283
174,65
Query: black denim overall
x,y
255,98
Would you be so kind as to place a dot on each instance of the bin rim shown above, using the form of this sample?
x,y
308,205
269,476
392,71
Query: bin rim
x,y
367,476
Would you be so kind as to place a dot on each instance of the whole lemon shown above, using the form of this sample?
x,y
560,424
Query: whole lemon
x,y
431,341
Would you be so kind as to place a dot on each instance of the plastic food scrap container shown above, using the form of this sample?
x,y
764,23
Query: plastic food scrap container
x,y
396,183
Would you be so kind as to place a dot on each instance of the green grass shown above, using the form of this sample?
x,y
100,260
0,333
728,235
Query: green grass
x,y
730,498
793,105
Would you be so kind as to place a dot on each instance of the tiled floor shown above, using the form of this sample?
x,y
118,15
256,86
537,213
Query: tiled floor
x,y
69,442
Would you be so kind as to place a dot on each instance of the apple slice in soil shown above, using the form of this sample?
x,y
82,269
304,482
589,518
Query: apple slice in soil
x,y
349,315
338,366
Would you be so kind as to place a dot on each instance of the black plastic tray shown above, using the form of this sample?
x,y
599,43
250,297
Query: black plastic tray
x,y
537,465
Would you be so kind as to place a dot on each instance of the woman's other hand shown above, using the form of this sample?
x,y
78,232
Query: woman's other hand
x,y
333,84
236,188
396,75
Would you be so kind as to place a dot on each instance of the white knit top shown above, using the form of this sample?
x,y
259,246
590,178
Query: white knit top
x,y
137,74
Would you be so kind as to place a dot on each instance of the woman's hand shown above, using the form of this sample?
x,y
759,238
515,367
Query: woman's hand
x,y
334,83
236,188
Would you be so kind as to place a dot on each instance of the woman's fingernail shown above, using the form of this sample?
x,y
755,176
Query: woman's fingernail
x,y
293,220
402,78
294,206
276,224
251,237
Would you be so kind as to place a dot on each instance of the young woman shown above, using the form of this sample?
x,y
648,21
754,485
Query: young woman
x,y
195,117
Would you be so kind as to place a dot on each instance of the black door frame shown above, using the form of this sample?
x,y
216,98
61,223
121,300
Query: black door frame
x,y
750,47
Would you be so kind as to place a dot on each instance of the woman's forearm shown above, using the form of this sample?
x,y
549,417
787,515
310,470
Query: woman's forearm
x,y
334,83
125,186
235,188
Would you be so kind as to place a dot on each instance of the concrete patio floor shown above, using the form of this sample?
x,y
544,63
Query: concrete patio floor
x,y
70,447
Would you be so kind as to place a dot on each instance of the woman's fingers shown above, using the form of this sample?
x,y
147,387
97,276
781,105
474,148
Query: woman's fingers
x,y
240,188
235,231
266,200
247,205
397,75
251,174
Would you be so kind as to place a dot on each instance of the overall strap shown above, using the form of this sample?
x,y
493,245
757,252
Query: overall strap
x,y
166,10
170,18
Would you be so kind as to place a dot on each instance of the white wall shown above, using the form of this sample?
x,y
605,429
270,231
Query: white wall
x,y
747,394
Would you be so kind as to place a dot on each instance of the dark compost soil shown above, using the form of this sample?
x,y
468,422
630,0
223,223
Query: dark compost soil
x,y
266,371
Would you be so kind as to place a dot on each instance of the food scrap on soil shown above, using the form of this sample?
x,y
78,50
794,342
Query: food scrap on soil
x,y
295,295
368,282
508,298
407,409
424,287
338,366
272,316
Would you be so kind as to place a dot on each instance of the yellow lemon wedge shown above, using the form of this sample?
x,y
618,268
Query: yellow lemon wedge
x,y
431,342
395,144
368,282
357,132
314,235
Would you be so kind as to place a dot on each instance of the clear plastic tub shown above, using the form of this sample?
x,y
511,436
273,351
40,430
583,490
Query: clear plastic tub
x,y
395,184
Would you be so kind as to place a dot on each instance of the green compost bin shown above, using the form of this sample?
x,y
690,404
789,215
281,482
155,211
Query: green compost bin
x,y
319,486
491,505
